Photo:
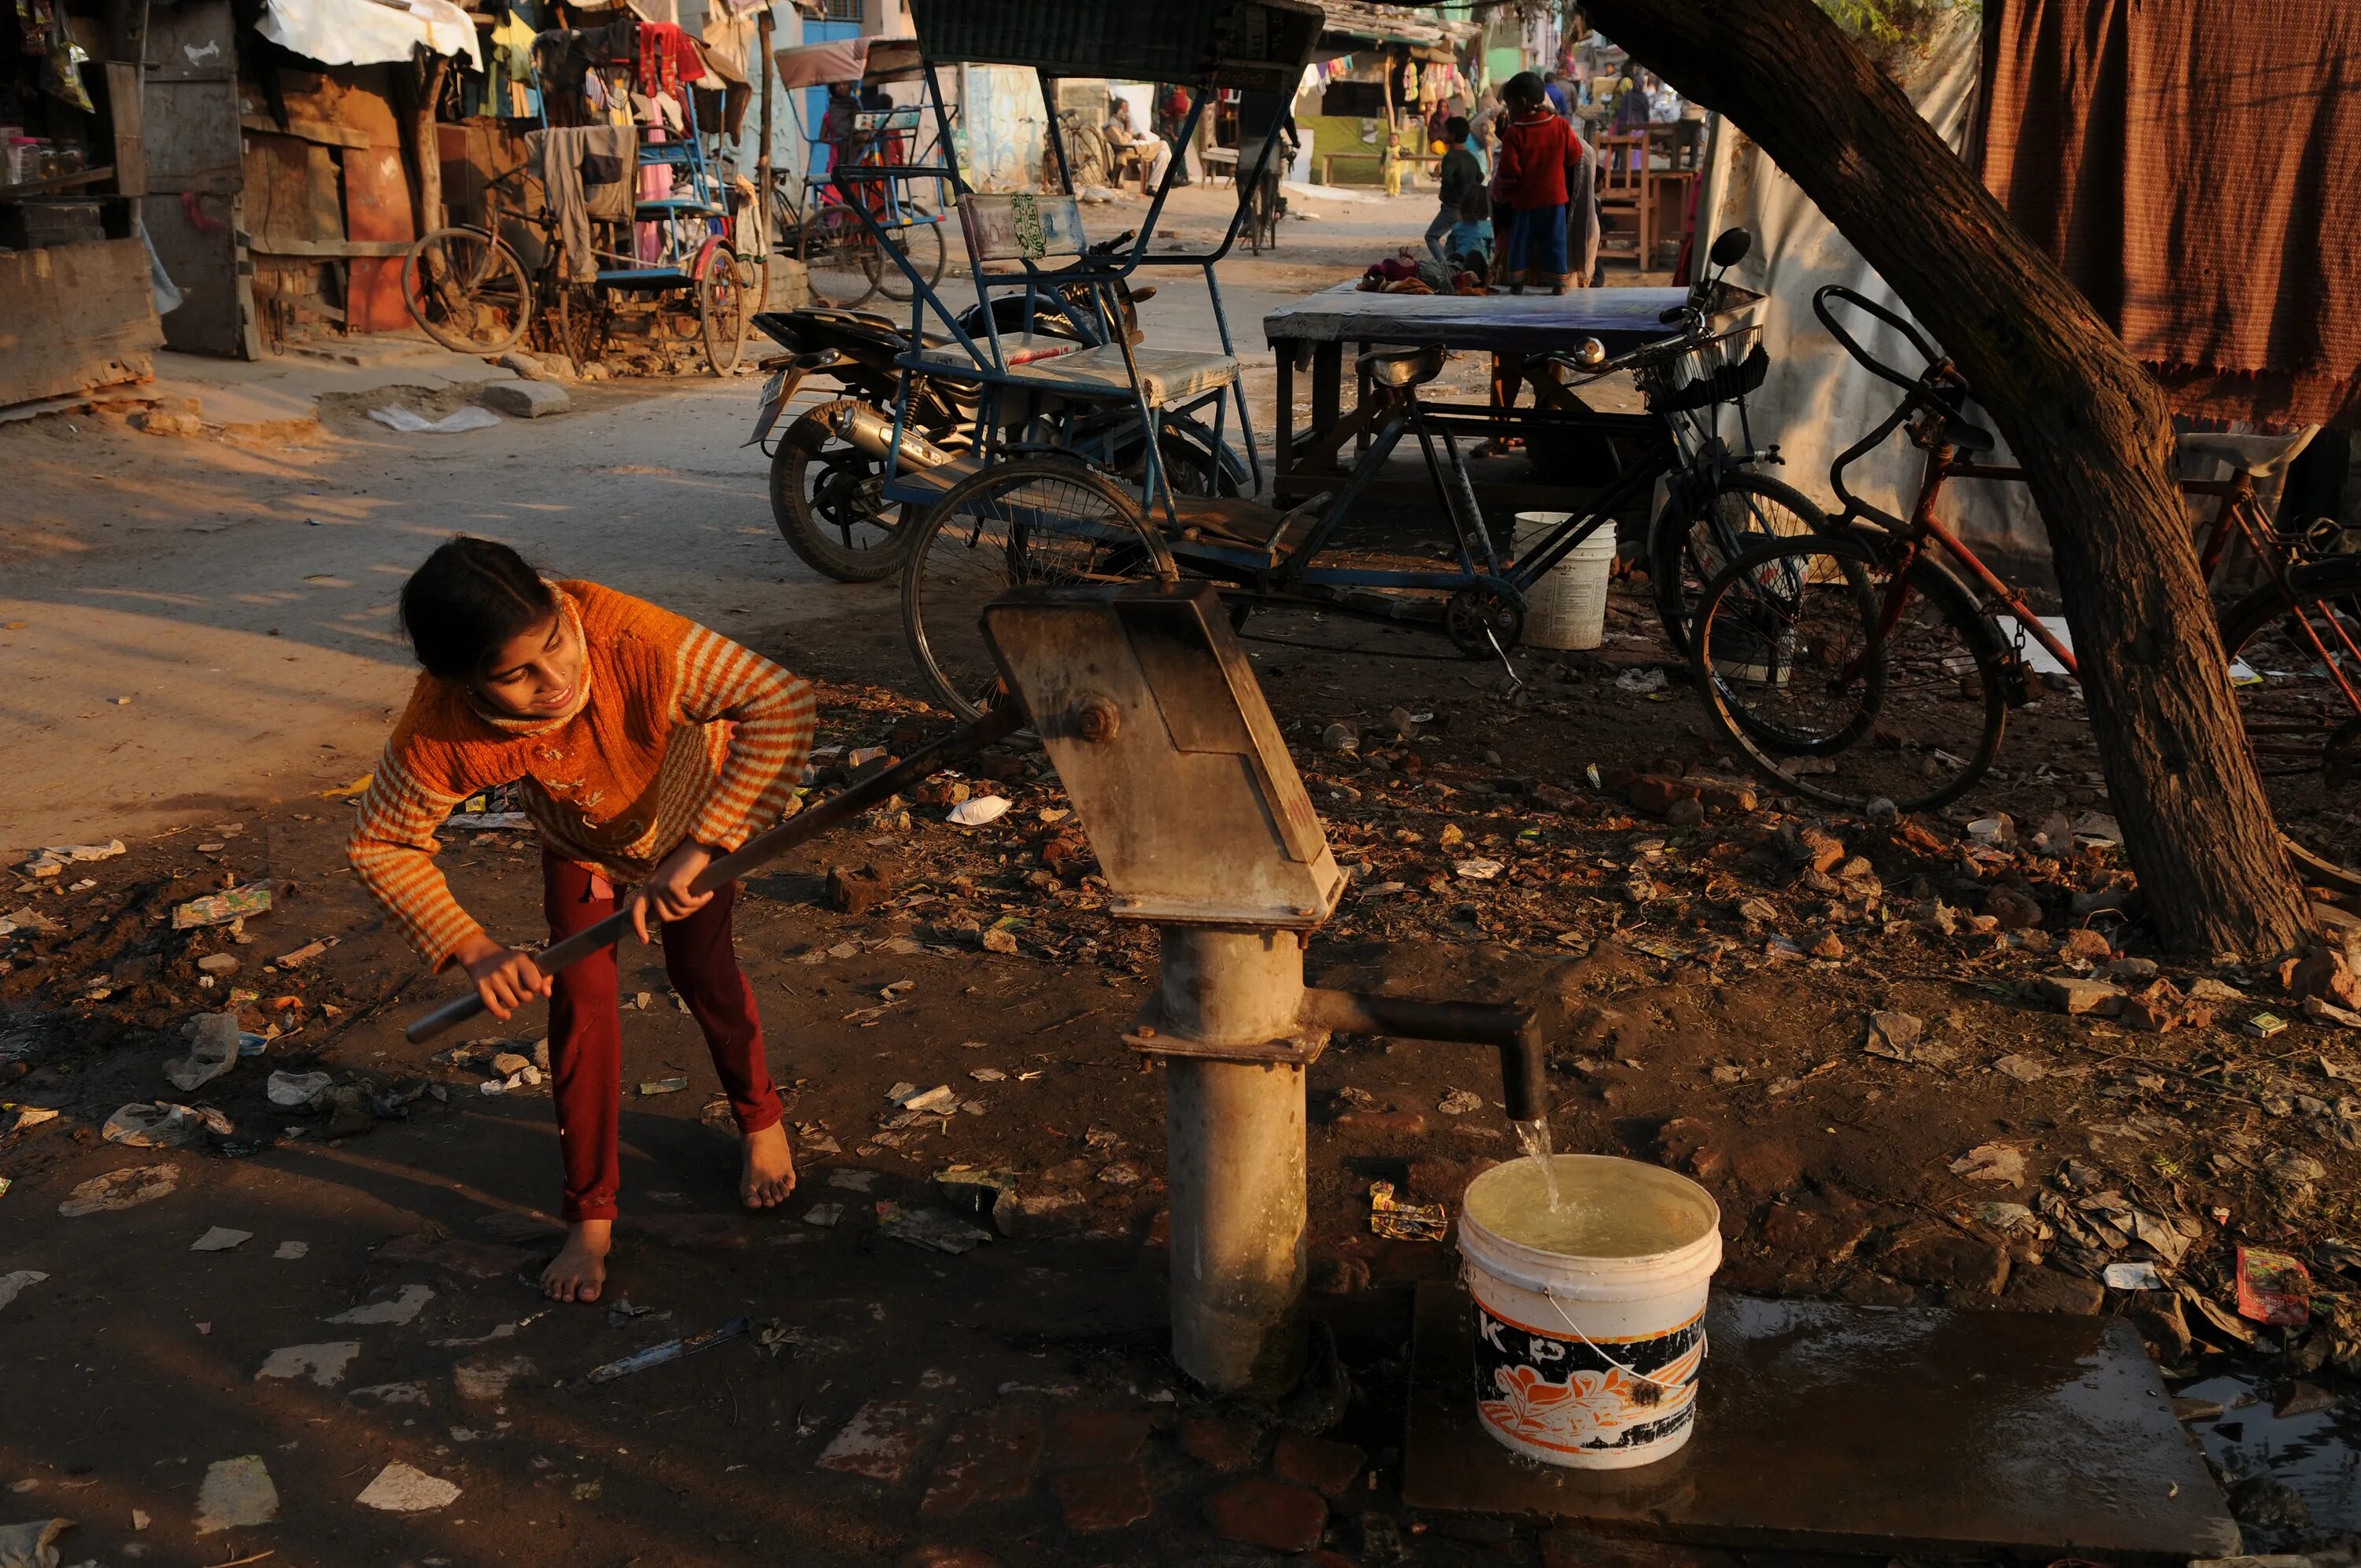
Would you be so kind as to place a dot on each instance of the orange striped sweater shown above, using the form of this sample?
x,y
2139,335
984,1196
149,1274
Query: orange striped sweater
x,y
678,734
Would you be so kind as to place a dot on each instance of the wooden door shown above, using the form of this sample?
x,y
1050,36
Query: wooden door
x,y
195,207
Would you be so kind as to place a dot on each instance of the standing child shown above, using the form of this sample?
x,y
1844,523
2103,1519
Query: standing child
x,y
1459,177
1541,161
1390,163
647,746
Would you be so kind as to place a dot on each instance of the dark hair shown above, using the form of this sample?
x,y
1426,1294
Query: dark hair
x,y
1455,128
1524,87
471,597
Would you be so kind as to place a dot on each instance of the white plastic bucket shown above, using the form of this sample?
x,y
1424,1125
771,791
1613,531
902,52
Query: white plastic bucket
x,y
1591,1362
1567,608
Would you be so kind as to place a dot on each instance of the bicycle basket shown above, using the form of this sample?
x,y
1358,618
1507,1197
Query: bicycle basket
x,y
1718,369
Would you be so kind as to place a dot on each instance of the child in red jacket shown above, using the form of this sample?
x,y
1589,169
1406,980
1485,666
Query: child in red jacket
x,y
1541,161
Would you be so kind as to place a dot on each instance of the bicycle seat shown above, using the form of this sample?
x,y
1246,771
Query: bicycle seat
x,y
2261,456
1401,367
1960,437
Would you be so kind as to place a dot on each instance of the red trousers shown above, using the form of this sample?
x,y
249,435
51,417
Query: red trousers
x,y
586,1030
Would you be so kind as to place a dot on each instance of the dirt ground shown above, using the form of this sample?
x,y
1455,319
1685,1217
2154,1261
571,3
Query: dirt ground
x,y
1853,1033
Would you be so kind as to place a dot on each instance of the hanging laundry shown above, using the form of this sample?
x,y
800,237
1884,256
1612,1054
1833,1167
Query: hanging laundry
x,y
668,57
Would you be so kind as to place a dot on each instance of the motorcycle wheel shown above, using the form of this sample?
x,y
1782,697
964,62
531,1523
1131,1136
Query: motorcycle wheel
x,y
825,497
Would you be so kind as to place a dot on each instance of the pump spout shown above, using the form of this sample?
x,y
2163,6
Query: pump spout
x,y
1516,1032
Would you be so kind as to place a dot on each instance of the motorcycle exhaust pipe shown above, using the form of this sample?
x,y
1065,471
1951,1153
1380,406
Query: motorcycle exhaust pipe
x,y
872,431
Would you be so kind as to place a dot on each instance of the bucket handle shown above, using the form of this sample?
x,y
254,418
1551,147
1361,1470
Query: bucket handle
x,y
1637,1377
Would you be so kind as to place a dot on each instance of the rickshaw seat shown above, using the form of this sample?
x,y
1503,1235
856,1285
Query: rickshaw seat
x,y
1167,375
1019,226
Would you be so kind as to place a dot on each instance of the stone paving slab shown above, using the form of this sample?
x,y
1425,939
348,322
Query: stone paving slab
x,y
1827,1427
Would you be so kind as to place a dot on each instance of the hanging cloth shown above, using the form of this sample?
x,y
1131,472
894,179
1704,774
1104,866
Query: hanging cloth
x,y
668,57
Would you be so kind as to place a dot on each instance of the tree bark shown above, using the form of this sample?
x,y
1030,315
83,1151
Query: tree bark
x,y
427,145
2085,421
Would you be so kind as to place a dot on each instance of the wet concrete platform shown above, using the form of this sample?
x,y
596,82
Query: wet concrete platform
x,y
1830,1427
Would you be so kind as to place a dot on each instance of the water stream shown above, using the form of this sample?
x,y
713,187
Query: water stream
x,y
1533,1137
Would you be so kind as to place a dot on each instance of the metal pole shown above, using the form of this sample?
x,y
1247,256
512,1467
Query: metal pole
x,y
1234,1161
762,160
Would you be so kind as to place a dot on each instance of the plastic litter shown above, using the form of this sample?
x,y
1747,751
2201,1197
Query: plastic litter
x,y
978,810
297,1091
452,423
21,1117
487,821
670,1350
28,1545
823,1214
1992,1162
402,1488
221,1238
13,1284
29,920
161,1124
323,1364
1459,1103
2132,1277
1399,1221
221,908
402,1307
487,1378
52,860
928,1228
664,1086
214,1045
2273,1289
125,1189
289,1250
237,1494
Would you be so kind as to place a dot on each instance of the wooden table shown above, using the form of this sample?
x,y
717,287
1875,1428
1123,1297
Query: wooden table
x,y
1313,333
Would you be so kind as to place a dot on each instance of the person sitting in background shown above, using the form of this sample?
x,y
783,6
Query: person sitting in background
x,y
1540,164
1459,175
1155,152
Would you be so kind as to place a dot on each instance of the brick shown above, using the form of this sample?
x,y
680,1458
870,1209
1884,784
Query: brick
x,y
1724,795
1098,1437
2053,1290
1268,1514
1103,1496
2077,997
881,1440
1654,794
1823,852
1219,1444
855,891
524,400
1326,1467
989,1459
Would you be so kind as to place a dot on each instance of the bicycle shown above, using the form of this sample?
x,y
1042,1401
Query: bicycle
x,y
468,288
1894,633
841,254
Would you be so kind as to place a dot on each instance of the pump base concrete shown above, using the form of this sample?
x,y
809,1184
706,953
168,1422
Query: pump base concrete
x,y
1831,1428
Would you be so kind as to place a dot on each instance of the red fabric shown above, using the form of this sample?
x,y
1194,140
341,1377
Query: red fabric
x,y
586,1030
2190,165
668,57
1538,159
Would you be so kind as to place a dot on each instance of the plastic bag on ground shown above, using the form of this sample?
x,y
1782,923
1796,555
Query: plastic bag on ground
x,y
28,1545
212,1051
161,1124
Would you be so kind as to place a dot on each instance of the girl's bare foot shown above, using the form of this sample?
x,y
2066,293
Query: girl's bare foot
x,y
770,1168
578,1272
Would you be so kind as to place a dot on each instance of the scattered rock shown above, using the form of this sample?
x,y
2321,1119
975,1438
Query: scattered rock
x,y
1221,1444
402,1488
1103,1496
988,1459
1326,1467
2078,997
852,892
2084,945
881,1440
2012,909
2040,1289
169,422
2266,1502
524,400
1268,1514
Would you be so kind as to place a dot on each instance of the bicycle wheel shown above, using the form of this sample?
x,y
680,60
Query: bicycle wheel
x,y
839,256
1843,684
826,497
468,291
1702,530
724,310
923,244
2300,712
583,312
1038,521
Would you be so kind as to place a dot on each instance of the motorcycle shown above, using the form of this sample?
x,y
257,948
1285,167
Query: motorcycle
x,y
828,468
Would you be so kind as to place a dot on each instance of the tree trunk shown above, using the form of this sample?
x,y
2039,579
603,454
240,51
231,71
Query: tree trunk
x,y
427,145
2085,421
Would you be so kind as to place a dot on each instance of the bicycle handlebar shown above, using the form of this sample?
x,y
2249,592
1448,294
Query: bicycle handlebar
x,y
1867,360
